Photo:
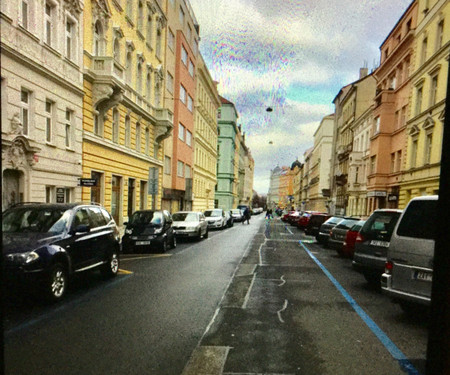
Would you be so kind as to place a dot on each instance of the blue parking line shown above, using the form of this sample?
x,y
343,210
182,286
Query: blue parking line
x,y
395,352
49,314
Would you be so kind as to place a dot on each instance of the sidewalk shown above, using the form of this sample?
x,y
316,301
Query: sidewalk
x,y
282,315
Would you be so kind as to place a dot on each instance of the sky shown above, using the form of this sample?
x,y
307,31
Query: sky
x,y
293,56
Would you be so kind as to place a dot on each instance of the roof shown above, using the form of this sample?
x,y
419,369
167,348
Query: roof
x,y
225,101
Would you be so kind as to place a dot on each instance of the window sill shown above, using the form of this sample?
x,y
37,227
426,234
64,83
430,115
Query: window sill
x,y
50,144
29,33
71,62
69,149
130,22
140,35
52,50
149,46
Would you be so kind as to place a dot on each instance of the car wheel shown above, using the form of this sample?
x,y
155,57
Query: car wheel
x,y
206,234
164,245
174,242
111,268
56,283
199,234
373,279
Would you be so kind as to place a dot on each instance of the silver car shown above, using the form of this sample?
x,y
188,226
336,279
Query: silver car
x,y
238,215
190,224
409,268
215,218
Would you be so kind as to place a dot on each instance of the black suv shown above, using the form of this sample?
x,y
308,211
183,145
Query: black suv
x,y
44,244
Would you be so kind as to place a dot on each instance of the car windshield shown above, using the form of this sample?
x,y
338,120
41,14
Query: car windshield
x,y
333,220
346,223
146,218
36,220
185,216
235,211
381,223
213,213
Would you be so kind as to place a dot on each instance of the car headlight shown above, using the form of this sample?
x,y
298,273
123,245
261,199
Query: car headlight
x,y
23,258
128,231
158,231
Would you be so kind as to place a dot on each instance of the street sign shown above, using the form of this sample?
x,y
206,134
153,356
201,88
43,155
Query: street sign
x,y
153,177
89,182
60,195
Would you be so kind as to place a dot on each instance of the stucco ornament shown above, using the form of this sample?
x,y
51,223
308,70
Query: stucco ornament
x,y
101,11
73,6
16,124
19,154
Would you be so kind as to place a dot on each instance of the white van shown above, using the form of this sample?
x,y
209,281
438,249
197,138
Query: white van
x,y
409,268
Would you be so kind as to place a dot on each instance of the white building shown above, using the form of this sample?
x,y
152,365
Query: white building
x,y
42,96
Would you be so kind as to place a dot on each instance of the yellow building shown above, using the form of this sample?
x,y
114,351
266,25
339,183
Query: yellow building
x,y
123,122
205,139
427,104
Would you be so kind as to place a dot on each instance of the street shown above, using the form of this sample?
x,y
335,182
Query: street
x,y
248,300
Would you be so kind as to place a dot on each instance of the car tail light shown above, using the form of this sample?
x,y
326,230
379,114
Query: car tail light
x,y
360,238
388,267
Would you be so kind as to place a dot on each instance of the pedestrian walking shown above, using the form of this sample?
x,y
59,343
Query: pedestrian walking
x,y
246,215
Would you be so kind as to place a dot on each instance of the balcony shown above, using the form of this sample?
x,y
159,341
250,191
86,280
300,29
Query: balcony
x,y
384,97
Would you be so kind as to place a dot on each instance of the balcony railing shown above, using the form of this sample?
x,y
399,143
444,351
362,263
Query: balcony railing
x,y
106,66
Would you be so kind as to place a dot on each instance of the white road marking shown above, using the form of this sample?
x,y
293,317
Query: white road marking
x,y
283,281
288,229
280,311
247,296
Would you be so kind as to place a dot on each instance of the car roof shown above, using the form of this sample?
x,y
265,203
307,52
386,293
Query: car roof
x,y
48,205
426,198
388,210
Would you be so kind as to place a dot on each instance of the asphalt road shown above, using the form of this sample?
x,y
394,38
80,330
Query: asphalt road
x,y
248,300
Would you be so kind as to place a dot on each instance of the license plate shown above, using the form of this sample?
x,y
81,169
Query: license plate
x,y
379,243
143,242
423,275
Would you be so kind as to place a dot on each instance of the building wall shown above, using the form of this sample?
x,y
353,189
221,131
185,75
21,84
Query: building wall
x,y
41,81
206,135
425,124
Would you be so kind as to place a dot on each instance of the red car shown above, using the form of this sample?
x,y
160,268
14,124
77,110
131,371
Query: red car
x,y
348,249
293,219
304,219
286,216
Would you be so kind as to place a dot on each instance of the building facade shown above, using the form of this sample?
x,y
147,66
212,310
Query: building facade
x,y
228,156
42,99
124,122
388,141
429,76
207,103
181,70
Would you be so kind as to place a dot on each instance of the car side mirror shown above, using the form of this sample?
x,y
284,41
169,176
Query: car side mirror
x,y
82,228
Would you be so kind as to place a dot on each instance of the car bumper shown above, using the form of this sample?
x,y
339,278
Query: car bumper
x,y
141,243
323,237
186,234
366,263
214,224
386,287
335,244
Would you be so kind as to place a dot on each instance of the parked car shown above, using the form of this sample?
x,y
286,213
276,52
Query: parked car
x,y
315,221
348,248
148,230
372,243
215,218
190,224
409,268
339,233
286,215
45,244
229,219
292,219
324,230
257,210
303,221
238,215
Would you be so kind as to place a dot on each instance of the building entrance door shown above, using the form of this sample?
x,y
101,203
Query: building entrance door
x,y
115,198
12,188
131,199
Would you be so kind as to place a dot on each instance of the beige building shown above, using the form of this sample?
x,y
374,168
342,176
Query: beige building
x,y
429,71
41,100
205,138
320,161
249,164
306,180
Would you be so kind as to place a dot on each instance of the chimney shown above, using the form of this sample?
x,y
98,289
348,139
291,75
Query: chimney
x,y
363,72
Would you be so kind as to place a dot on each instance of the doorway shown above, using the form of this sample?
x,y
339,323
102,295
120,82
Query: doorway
x,y
115,197
12,188
131,196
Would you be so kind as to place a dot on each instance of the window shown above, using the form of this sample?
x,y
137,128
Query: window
x,y
373,160
423,56
169,82
413,153
115,126
147,141
130,9
403,116
195,47
49,23
191,68
419,95
149,29
49,194
128,68
392,162
158,41
157,94
25,14
184,56
171,40
413,223
116,50
406,70
98,124
190,104
356,175
70,48
167,165
149,86
138,137
182,94
48,121
440,34
433,91
396,120
139,78
181,132
398,161
127,131
187,171
98,39
181,15
188,138
428,147
140,20
68,128
376,129
180,169
189,32
25,111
